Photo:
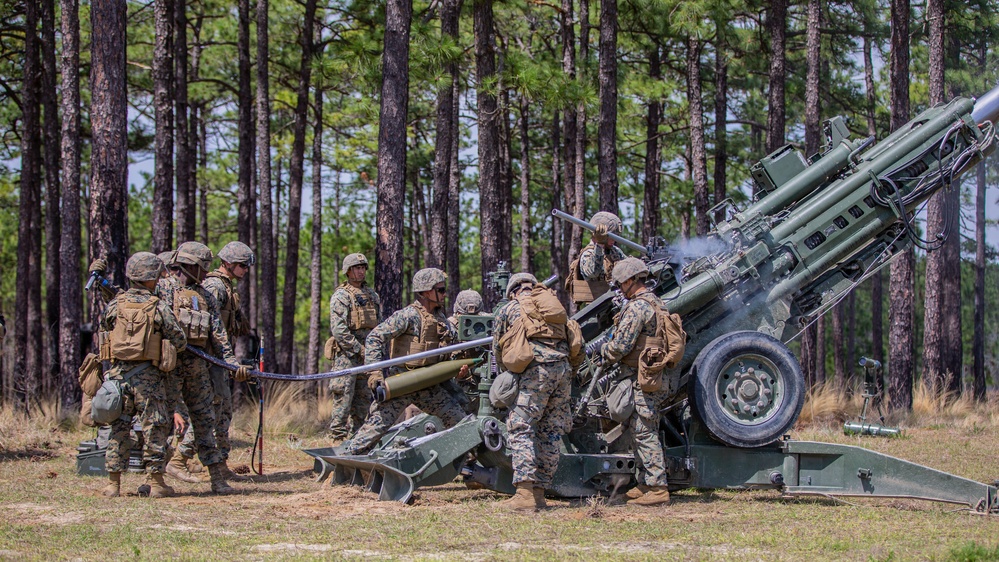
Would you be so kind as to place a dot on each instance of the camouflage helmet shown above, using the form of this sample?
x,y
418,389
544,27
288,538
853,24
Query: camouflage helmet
x,y
611,220
425,279
351,260
143,266
194,253
468,301
628,268
518,279
167,256
237,252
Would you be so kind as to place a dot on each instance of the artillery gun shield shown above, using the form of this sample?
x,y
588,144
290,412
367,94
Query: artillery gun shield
x,y
747,388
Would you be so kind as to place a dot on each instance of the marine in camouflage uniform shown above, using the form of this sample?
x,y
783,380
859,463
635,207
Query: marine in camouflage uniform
x,y
407,326
192,375
590,275
148,393
236,259
466,390
351,395
542,413
635,323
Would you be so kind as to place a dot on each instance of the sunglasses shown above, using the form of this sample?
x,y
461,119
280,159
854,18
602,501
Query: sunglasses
x,y
441,290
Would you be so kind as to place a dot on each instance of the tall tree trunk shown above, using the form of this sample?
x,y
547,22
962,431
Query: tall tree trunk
x,y
491,225
316,276
454,205
698,152
607,125
244,194
571,234
877,280
296,173
442,222
505,165
185,211
820,350
163,77
557,249
776,28
933,329
268,261
653,154
579,145
392,153
70,291
526,254
953,340
202,165
978,339
721,119
27,300
53,217
813,57
901,355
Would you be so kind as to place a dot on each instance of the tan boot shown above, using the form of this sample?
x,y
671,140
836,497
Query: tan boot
x,y
539,498
177,467
657,495
157,487
113,489
194,466
219,485
637,492
523,499
230,475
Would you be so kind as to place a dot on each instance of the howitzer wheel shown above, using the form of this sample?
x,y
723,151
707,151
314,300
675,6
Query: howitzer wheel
x,y
747,388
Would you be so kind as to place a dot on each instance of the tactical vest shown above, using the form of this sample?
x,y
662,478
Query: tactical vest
x,y
363,310
228,312
644,340
433,334
135,336
582,290
191,309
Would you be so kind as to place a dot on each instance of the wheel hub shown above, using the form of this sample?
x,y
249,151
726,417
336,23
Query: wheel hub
x,y
748,387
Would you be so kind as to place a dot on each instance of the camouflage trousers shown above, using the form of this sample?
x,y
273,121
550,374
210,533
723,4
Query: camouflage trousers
x,y
222,406
644,425
538,421
434,400
351,399
144,396
198,392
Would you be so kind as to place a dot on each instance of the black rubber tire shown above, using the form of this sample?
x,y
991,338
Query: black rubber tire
x,y
722,414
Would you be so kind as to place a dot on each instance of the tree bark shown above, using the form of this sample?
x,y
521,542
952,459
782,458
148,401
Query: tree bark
x,y
877,280
933,329
453,206
901,316
651,216
70,291
442,222
579,144
316,276
490,219
776,27
185,208
607,125
163,77
268,265
53,217
978,339
813,57
557,249
571,234
721,120
296,174
244,193
526,253
392,154
698,152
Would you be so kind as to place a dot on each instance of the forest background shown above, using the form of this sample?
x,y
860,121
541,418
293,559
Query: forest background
x,y
442,134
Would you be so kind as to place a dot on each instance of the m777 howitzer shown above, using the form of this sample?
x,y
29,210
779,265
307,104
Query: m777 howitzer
x,y
816,230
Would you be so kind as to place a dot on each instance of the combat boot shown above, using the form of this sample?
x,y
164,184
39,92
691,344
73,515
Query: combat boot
x,y
637,492
539,498
219,485
523,499
657,495
157,487
177,467
230,475
113,489
194,466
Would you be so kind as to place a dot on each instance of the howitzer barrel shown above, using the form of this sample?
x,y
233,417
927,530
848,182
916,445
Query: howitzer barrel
x,y
987,107
424,377
589,226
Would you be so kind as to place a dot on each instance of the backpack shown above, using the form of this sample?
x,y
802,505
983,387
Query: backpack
x,y
134,336
653,360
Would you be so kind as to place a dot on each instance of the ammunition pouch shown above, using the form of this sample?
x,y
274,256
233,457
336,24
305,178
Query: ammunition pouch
x,y
193,320
168,356
90,375
330,348
515,351
104,346
432,335
363,311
